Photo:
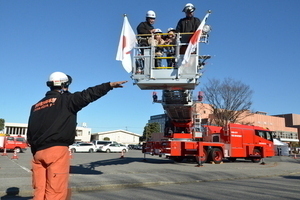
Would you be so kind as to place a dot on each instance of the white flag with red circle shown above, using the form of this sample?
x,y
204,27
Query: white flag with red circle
x,y
126,44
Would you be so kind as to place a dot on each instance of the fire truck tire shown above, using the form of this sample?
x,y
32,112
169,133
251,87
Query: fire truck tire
x,y
231,159
18,150
178,158
216,155
256,152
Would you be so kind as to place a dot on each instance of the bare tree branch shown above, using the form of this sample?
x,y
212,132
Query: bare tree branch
x,y
229,100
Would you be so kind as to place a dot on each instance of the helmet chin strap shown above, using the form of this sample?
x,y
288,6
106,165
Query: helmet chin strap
x,y
63,90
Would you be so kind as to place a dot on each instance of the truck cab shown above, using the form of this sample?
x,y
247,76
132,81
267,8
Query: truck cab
x,y
12,143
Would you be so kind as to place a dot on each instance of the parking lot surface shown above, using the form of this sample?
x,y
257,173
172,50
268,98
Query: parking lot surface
x,y
108,171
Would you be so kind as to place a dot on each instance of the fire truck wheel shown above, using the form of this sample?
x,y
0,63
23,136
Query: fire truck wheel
x,y
231,159
216,155
178,158
18,150
257,153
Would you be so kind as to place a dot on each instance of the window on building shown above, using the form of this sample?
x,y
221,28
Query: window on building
x,y
79,132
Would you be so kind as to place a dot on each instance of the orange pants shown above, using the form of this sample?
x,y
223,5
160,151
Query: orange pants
x,y
50,175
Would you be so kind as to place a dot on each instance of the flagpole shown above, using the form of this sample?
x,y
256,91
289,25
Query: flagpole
x,y
126,45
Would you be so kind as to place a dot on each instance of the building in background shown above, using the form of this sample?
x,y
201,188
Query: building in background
x,y
15,129
160,119
119,136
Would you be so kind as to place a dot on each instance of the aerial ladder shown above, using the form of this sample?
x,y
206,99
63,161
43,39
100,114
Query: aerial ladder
x,y
177,82
184,136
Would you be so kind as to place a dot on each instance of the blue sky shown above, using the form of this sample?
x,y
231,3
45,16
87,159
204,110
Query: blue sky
x,y
254,41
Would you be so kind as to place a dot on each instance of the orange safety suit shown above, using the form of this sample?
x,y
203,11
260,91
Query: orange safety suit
x,y
50,175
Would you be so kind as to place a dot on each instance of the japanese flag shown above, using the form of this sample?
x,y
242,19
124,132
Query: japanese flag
x,y
126,44
194,40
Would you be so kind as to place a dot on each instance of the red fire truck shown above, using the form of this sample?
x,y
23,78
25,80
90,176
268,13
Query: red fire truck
x,y
234,141
11,143
185,136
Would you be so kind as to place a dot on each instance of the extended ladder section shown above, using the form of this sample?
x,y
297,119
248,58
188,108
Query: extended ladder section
x,y
178,105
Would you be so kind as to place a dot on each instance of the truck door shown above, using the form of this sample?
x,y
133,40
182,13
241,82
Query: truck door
x,y
236,141
265,140
10,143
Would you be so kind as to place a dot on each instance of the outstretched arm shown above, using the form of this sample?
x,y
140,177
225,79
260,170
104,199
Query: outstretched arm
x,y
118,84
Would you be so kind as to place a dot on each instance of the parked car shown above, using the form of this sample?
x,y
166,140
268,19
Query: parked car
x,y
136,146
101,143
131,146
113,148
83,147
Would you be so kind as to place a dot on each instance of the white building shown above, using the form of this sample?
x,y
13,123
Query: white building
x,y
14,129
120,136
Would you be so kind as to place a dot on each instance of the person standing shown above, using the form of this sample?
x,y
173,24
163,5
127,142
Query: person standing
x,y
170,39
155,41
189,24
147,27
52,128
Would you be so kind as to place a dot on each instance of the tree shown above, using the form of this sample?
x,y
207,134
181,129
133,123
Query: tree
x,y
149,129
2,124
230,100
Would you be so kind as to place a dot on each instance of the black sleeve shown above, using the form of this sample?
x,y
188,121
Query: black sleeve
x,y
197,23
179,26
28,135
79,100
143,29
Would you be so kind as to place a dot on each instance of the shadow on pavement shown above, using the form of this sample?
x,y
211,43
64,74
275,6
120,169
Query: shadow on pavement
x,y
292,177
83,169
12,193
89,168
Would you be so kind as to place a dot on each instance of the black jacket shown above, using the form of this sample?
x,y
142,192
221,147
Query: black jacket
x,y
144,28
52,120
186,25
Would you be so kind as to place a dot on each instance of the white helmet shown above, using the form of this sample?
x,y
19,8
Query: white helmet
x,y
157,31
189,8
151,14
59,79
171,29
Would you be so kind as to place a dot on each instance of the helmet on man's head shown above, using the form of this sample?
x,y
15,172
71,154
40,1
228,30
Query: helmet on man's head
x,y
59,79
151,14
189,8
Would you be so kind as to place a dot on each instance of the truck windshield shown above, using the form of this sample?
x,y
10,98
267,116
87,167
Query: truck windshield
x,y
264,134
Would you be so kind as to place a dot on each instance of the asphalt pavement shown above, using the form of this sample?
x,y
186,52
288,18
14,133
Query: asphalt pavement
x,y
108,171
